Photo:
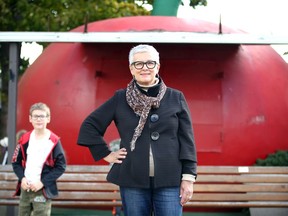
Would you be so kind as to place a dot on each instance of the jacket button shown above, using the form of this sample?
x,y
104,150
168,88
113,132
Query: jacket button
x,y
154,117
155,135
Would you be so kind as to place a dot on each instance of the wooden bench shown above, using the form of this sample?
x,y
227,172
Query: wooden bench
x,y
216,186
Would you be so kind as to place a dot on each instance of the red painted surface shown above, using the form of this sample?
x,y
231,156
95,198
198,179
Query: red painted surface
x,y
238,95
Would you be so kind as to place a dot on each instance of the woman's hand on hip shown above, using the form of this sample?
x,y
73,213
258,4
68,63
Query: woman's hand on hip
x,y
117,156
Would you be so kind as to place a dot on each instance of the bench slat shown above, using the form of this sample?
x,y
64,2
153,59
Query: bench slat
x,y
88,195
243,178
240,188
91,186
7,185
196,197
83,177
242,169
231,204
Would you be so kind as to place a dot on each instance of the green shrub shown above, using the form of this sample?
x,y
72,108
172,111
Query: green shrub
x,y
279,158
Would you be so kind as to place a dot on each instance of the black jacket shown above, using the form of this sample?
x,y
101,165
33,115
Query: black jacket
x,y
171,139
53,167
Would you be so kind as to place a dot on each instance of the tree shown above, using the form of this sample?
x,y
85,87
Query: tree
x,y
61,15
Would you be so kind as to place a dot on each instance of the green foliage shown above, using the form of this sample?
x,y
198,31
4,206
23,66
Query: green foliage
x,y
279,158
24,64
194,3
61,15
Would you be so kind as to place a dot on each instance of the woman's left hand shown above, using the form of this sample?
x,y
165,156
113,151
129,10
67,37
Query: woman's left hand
x,y
116,157
186,191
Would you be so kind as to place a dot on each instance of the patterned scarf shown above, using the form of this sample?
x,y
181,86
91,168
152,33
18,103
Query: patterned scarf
x,y
141,105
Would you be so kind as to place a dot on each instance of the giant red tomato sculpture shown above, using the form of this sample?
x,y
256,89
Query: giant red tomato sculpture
x,y
238,94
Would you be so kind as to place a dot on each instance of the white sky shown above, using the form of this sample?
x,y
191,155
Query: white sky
x,y
30,51
260,17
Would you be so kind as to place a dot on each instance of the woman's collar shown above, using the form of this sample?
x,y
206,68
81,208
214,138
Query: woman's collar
x,y
151,90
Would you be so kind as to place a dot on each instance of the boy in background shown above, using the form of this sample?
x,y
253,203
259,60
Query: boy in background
x,y
38,161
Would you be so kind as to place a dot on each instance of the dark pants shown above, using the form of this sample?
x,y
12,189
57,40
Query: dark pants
x,y
34,203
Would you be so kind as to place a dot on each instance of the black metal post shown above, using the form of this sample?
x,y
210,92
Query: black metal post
x,y
14,56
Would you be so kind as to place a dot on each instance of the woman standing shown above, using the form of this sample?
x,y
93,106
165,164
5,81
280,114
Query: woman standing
x,y
155,166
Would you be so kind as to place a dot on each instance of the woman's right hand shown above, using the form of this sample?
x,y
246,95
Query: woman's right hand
x,y
116,157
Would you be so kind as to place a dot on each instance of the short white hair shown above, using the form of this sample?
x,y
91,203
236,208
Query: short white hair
x,y
144,48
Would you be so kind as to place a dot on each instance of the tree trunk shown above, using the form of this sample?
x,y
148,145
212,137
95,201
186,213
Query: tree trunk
x,y
4,50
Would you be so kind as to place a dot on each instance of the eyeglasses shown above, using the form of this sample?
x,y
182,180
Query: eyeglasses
x,y
40,117
139,64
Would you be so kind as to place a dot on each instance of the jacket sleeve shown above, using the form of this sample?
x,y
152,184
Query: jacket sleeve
x,y
59,165
94,126
18,163
188,154
99,151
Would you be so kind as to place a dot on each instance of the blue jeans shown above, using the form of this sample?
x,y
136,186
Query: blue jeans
x,y
142,202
